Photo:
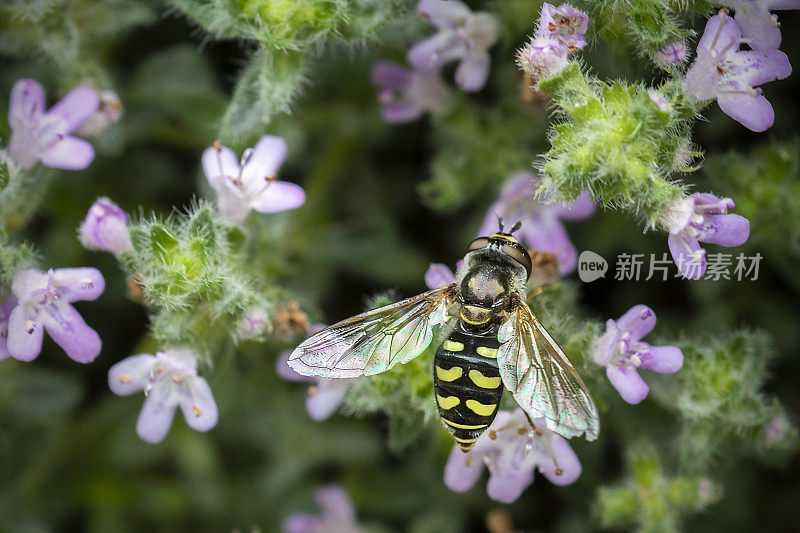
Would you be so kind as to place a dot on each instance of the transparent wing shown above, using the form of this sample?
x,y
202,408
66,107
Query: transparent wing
x,y
541,378
375,341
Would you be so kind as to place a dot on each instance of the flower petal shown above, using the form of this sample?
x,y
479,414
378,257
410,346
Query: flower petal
x,y
755,21
565,459
753,111
28,280
507,484
279,196
79,284
66,326
434,52
70,153
473,71
131,374
269,154
5,312
546,233
784,4
157,413
688,256
702,78
443,13
198,405
663,359
22,344
390,75
439,275
335,504
400,112
323,401
750,68
639,320
219,164
726,230
76,106
233,207
628,383
462,470
582,207
302,523
721,34
605,347
26,104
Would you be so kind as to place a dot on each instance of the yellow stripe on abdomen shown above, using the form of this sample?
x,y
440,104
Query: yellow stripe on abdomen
x,y
453,346
487,352
448,402
482,381
463,426
450,374
479,408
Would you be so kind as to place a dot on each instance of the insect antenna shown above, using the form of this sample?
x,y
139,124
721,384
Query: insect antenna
x,y
499,223
516,226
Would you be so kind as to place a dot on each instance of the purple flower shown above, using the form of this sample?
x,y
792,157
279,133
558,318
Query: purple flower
x,y
513,449
622,353
440,275
325,395
564,24
542,58
108,113
542,228
406,94
251,183
724,72
44,303
169,379
463,36
338,514
254,323
5,312
44,136
105,228
760,27
560,32
701,217
672,54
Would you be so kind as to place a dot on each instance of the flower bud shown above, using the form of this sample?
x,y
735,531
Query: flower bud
x,y
254,323
542,58
671,55
108,113
105,228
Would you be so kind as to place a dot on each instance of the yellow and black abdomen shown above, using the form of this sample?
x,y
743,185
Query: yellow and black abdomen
x,y
467,384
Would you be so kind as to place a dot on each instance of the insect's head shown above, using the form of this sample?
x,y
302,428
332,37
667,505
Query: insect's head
x,y
506,245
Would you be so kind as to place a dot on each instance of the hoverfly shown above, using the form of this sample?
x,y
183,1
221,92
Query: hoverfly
x,y
490,340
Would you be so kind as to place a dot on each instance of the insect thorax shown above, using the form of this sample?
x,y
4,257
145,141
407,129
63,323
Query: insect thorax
x,y
485,284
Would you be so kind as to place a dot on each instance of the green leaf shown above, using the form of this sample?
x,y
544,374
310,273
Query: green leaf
x,y
267,87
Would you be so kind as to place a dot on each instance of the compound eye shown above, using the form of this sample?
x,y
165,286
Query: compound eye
x,y
478,243
520,255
